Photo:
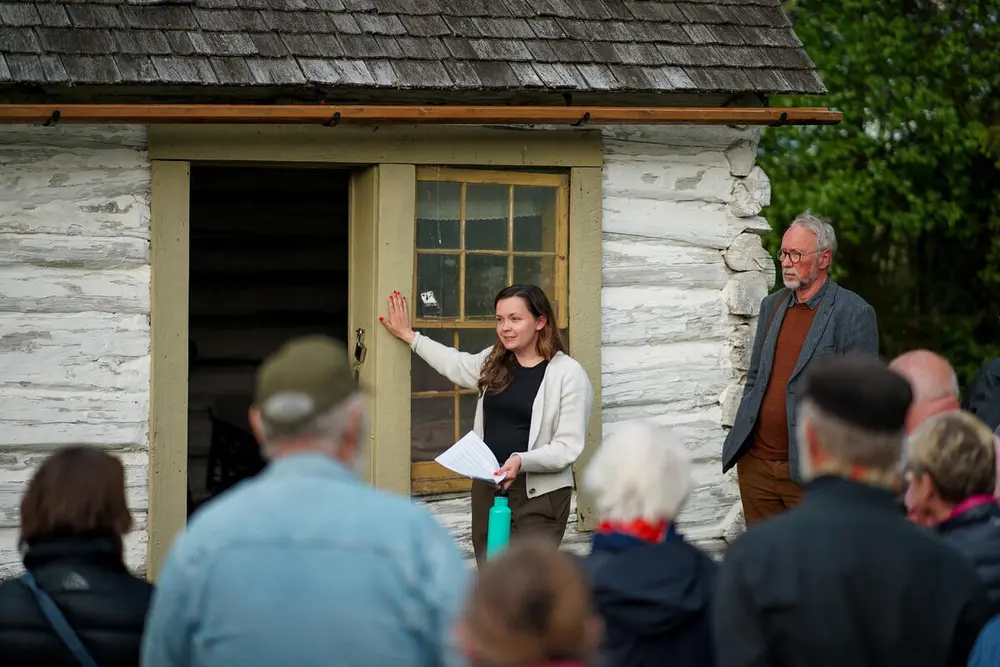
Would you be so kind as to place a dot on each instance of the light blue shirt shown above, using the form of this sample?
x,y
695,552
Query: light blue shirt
x,y
307,565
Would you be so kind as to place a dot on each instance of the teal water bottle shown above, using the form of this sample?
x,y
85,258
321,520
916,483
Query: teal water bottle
x,y
498,531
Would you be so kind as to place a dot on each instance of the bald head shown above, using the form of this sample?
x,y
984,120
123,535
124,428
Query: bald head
x,y
933,382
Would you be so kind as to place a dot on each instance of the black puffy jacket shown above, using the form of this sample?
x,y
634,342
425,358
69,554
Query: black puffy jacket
x,y
104,604
976,533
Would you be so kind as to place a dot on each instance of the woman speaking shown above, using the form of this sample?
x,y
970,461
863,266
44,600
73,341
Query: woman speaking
x,y
534,403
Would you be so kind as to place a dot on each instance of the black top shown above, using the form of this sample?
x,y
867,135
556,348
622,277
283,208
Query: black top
x,y
507,415
103,603
976,534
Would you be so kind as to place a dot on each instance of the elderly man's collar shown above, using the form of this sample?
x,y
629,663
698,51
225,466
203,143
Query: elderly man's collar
x,y
812,301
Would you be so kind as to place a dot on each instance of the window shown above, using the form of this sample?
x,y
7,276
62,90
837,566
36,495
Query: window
x,y
476,233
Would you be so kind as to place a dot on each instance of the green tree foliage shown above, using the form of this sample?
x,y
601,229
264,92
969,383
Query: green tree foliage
x,y
911,177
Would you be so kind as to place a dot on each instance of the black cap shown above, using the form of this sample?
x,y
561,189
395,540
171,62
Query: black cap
x,y
861,390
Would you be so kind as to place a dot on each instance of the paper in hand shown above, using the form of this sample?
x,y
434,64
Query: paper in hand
x,y
471,457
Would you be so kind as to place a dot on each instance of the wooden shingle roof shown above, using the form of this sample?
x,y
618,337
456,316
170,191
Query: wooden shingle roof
x,y
615,46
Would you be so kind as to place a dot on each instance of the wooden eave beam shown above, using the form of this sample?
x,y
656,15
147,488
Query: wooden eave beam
x,y
49,114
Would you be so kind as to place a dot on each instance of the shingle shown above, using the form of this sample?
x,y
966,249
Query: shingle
x,y
19,13
478,8
593,10
95,16
337,72
254,4
53,15
70,40
297,21
541,51
503,28
288,5
617,10
547,28
560,76
611,31
703,13
231,71
218,4
554,8
768,36
660,33
25,67
525,74
5,74
250,21
359,5
462,26
136,69
377,24
91,69
214,19
425,26
19,40
627,53
183,70
275,71
669,78
699,56
365,46
384,74
55,72
329,46
462,75
326,5
520,8
423,48
422,74
222,43
169,17
655,11
269,45
302,45
180,43
571,51
344,24
497,75
598,77
148,42
500,49
723,79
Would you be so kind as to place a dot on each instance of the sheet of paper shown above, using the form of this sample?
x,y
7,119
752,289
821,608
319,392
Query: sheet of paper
x,y
471,457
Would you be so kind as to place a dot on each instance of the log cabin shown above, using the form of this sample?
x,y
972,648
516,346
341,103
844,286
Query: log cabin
x,y
185,184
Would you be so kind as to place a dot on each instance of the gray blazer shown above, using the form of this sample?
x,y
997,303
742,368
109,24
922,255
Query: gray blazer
x,y
844,323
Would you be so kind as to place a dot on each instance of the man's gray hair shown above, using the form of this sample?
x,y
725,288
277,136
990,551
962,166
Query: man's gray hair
x,y
826,238
849,446
328,429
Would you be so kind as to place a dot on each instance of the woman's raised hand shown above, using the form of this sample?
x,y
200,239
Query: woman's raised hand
x,y
398,320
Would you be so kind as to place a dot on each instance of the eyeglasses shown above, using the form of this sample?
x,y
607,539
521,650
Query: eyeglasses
x,y
794,256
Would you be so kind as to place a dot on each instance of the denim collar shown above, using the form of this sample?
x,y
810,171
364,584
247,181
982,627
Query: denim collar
x,y
812,301
311,464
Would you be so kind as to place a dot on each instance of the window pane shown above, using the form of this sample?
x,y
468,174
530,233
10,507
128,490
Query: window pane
x,y
476,340
487,209
485,276
535,218
422,376
432,424
538,271
437,274
439,209
467,413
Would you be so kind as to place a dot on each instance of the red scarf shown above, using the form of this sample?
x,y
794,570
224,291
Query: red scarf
x,y
652,532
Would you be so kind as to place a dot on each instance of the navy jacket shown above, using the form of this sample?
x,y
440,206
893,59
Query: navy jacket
x,y
654,599
976,534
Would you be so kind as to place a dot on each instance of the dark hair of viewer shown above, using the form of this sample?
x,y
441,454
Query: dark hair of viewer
x,y
77,492
496,374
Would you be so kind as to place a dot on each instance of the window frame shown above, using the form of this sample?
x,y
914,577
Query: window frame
x,y
430,477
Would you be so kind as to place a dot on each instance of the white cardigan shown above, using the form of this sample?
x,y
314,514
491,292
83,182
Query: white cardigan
x,y
559,414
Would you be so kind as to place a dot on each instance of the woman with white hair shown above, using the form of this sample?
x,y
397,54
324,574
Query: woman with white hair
x,y
651,587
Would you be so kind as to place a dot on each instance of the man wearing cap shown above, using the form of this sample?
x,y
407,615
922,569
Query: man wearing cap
x,y
306,564
843,578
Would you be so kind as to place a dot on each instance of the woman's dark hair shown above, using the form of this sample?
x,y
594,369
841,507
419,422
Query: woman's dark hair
x,y
497,370
77,491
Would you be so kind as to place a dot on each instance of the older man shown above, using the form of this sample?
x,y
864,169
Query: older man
x,y
811,318
843,579
933,382
305,564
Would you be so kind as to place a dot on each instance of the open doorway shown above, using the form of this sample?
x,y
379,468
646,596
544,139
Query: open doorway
x,y
268,261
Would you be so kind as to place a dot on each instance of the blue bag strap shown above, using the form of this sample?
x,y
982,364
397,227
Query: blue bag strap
x,y
59,622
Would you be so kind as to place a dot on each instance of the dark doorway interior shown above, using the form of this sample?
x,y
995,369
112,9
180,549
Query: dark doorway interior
x,y
269,261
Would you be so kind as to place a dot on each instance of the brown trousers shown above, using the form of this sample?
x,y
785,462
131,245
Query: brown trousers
x,y
542,515
766,488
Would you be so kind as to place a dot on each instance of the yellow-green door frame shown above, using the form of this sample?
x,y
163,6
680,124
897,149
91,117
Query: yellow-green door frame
x,y
382,235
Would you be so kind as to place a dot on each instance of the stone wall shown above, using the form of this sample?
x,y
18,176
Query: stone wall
x,y
684,273
74,308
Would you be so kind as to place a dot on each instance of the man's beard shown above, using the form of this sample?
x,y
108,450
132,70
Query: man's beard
x,y
793,282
